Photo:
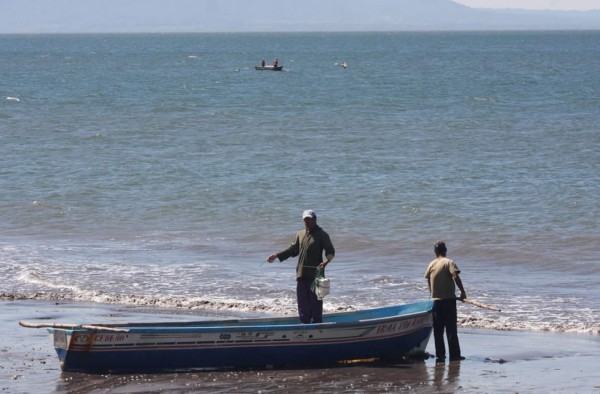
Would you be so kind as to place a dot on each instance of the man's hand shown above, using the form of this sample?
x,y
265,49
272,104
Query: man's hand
x,y
272,258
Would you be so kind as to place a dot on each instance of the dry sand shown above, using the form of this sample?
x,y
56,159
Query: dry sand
x,y
496,362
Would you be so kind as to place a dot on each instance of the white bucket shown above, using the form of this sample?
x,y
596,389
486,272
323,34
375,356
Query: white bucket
x,y
322,288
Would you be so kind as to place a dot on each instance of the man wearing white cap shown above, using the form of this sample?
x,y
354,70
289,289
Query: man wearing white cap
x,y
309,244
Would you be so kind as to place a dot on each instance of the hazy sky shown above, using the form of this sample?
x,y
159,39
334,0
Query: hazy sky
x,y
74,16
534,4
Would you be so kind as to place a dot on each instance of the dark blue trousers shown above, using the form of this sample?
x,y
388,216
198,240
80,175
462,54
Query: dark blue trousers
x,y
310,309
444,317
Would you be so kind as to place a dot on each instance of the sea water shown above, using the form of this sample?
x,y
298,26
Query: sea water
x,y
162,170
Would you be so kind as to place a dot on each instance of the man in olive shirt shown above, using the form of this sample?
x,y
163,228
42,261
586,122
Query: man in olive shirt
x,y
309,244
442,274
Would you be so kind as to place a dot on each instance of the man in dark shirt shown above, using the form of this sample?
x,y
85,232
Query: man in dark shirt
x,y
309,244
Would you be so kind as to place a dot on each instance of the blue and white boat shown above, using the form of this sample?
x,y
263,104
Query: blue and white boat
x,y
386,333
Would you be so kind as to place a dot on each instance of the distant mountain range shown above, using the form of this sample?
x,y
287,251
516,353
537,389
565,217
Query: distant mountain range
x,y
71,16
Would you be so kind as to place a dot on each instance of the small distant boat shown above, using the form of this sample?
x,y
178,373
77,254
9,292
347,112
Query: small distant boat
x,y
269,67
387,333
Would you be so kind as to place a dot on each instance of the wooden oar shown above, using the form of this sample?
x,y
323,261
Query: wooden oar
x,y
71,326
479,304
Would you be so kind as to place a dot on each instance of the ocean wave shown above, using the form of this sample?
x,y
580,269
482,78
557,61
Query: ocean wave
x,y
283,307
287,307
507,324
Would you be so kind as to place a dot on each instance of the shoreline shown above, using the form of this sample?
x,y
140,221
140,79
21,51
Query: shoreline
x,y
496,361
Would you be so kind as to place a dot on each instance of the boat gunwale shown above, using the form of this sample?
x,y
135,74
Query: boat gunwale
x,y
236,325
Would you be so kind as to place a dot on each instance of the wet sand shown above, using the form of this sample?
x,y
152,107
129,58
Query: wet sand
x,y
496,362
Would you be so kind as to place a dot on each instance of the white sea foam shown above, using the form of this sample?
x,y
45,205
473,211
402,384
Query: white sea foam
x,y
200,287
511,321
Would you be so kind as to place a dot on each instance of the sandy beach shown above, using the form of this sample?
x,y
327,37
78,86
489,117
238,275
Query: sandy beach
x,y
496,362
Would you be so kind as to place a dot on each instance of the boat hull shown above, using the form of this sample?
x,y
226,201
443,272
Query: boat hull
x,y
268,68
246,343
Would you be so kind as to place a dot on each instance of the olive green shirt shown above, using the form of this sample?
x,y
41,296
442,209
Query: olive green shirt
x,y
309,245
440,274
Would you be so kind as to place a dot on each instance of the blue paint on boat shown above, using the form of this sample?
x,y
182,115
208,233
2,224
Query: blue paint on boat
x,y
381,333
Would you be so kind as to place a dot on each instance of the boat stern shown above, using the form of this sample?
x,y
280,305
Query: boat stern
x,y
61,339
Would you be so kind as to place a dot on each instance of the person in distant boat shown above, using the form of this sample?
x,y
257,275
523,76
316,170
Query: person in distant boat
x,y
263,63
442,275
275,62
309,244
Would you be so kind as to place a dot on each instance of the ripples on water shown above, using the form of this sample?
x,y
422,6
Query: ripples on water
x,y
162,170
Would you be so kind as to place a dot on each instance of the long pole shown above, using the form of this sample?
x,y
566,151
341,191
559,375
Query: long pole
x,y
480,305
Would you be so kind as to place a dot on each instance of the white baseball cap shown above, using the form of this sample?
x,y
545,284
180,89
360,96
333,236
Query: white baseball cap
x,y
309,213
